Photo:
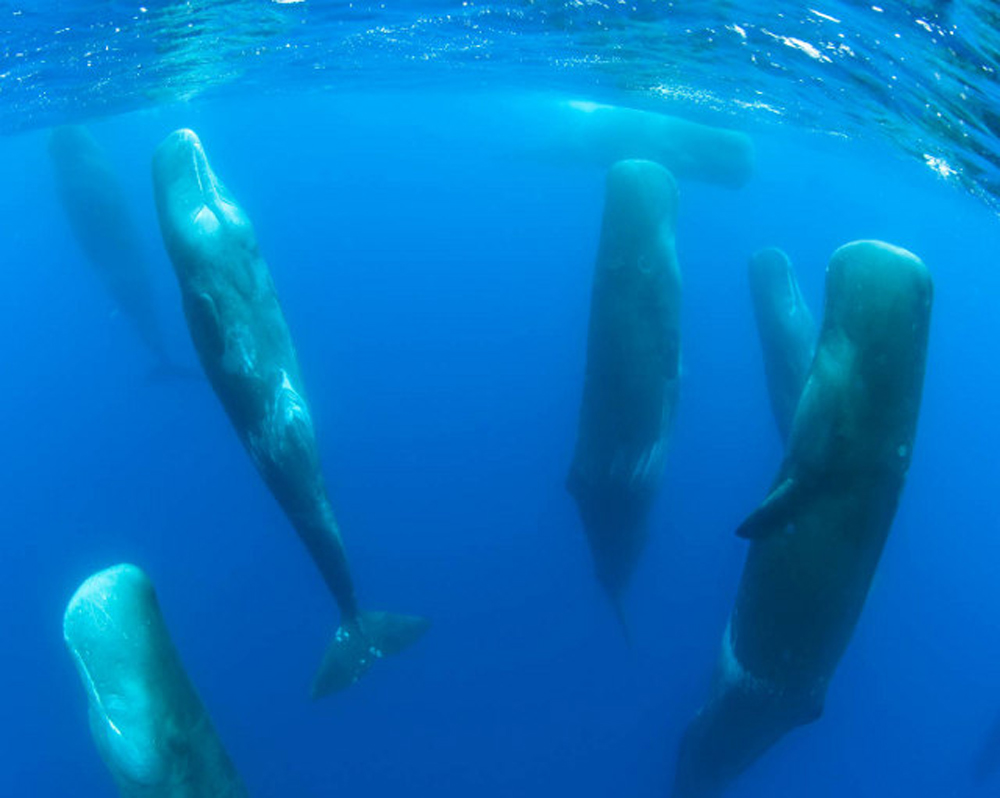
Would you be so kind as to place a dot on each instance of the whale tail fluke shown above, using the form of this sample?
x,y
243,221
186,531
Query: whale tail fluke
x,y
359,642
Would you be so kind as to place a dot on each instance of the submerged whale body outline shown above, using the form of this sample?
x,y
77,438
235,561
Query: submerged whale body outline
x,y
817,537
99,216
632,371
239,331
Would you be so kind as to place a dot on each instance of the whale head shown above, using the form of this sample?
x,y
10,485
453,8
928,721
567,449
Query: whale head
x,y
198,216
879,297
116,636
640,199
772,281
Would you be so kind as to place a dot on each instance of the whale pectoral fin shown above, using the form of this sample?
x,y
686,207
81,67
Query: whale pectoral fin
x,y
360,642
773,513
206,325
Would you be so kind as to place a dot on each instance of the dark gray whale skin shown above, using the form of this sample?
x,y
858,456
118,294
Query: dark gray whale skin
x,y
632,371
818,536
242,340
786,329
101,221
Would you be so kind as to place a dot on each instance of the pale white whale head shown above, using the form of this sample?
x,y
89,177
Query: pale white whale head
x,y
194,207
145,717
112,627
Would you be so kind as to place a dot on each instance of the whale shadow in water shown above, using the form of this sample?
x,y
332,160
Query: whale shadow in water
x,y
99,216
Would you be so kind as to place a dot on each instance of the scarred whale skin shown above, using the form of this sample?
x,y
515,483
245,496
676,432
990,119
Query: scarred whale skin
x,y
147,721
632,371
818,536
239,331
786,329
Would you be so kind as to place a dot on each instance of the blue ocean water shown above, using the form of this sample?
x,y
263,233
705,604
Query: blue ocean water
x,y
436,279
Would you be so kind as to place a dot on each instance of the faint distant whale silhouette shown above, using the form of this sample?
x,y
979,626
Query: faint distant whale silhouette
x,y
243,342
146,719
818,536
786,329
987,763
633,368
102,224
590,132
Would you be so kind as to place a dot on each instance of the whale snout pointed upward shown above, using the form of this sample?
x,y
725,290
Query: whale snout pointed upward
x,y
879,293
786,331
147,721
359,643
771,275
193,205
98,628
246,350
641,196
631,376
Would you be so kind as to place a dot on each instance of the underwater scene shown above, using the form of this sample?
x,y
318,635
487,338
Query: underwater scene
x,y
568,397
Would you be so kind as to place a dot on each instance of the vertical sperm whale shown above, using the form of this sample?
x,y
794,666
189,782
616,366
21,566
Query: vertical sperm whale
x,y
786,329
245,348
101,221
816,539
632,372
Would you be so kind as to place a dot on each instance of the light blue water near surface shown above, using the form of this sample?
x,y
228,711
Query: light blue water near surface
x,y
436,280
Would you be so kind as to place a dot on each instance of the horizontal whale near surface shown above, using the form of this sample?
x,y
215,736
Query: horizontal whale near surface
x,y
581,132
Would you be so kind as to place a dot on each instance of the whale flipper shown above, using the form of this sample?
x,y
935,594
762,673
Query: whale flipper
x,y
767,518
203,316
358,643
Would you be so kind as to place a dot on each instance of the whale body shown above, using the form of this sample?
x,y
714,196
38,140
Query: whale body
x,y
786,330
817,537
632,371
101,221
239,331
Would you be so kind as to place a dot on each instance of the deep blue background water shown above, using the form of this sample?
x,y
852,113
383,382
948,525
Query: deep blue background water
x,y
436,281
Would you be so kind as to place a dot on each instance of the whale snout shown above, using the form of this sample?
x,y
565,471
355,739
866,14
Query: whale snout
x,y
770,269
879,293
192,203
184,180
111,628
641,196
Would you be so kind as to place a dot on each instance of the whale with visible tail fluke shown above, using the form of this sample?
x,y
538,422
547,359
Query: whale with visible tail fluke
x,y
242,340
